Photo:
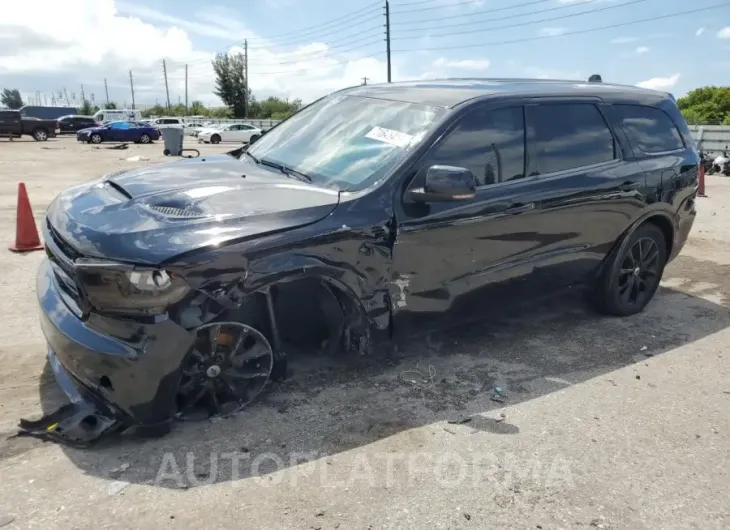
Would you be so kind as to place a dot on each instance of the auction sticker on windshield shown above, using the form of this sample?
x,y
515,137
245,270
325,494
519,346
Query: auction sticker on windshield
x,y
389,136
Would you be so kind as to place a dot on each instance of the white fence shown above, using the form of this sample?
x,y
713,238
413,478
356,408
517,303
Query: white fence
x,y
712,139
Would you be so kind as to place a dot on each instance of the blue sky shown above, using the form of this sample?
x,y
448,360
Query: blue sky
x,y
306,48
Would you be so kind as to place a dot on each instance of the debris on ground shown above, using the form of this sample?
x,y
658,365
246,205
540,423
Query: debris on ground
x,y
502,417
6,520
138,158
467,516
417,378
116,487
449,431
498,395
120,147
638,376
643,348
557,380
459,421
54,148
117,471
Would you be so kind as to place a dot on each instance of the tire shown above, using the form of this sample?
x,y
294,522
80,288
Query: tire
x,y
215,139
145,139
95,138
253,138
632,274
40,135
166,152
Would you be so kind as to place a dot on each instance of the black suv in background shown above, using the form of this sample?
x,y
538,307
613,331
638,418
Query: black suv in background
x,y
179,286
73,124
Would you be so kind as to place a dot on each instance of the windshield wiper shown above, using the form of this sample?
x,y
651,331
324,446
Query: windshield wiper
x,y
287,171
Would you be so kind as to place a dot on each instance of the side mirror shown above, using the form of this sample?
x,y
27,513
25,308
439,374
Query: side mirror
x,y
446,183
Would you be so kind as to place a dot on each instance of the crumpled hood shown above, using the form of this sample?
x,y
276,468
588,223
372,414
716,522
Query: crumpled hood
x,y
151,214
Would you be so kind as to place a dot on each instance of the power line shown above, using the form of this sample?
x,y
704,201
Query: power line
x,y
462,15
520,24
576,32
400,4
454,4
304,37
340,20
508,17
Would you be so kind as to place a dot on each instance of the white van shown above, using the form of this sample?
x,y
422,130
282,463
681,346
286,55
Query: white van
x,y
107,115
167,123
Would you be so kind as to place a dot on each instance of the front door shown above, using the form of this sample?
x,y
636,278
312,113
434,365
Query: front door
x,y
448,254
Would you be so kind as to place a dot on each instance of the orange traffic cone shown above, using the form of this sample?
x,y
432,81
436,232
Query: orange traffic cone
x,y
26,233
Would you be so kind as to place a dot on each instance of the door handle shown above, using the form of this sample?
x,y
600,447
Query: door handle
x,y
520,208
629,186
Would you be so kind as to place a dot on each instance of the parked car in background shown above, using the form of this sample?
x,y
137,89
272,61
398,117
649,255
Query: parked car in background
x,y
167,123
193,127
233,132
46,113
175,290
119,131
110,115
13,125
73,124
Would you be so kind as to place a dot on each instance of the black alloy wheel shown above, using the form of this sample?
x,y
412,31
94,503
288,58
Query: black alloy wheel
x,y
226,368
632,275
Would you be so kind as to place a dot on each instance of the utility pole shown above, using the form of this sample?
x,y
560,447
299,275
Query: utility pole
x,y
83,96
131,85
106,89
45,98
387,34
167,90
66,94
245,79
186,90
365,80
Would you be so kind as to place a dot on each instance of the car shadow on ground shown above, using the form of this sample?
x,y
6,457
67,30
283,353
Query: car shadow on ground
x,y
467,375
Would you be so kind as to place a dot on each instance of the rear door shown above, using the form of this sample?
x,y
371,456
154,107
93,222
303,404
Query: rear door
x,y
589,194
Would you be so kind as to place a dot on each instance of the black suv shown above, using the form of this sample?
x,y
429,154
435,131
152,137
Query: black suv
x,y
73,124
178,287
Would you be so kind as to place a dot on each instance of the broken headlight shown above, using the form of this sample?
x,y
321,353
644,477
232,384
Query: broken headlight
x,y
129,289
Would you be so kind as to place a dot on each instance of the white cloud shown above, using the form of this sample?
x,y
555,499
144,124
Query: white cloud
x,y
659,83
724,33
463,64
551,32
699,31
641,50
95,45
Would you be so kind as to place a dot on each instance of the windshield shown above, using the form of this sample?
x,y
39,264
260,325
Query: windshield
x,y
346,142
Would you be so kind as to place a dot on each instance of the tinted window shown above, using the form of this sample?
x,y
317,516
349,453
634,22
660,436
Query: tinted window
x,y
567,136
649,129
8,114
490,143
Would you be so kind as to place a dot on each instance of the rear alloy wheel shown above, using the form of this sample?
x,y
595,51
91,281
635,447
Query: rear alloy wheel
x,y
633,275
40,135
95,138
145,139
226,368
215,139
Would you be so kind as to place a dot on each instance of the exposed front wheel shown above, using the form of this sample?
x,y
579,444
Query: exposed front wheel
x,y
226,368
632,275
215,139
40,135
95,138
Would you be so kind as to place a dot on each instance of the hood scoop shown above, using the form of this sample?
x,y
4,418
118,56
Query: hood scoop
x,y
190,212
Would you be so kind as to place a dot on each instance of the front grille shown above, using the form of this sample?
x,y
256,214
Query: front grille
x,y
62,257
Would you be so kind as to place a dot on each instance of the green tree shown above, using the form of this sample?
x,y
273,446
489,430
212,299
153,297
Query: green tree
x,y
230,82
198,109
111,106
11,98
706,105
87,109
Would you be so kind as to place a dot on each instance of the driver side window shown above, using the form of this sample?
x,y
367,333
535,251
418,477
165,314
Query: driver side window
x,y
490,143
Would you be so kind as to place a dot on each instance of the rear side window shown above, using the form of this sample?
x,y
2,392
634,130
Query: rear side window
x,y
490,143
649,129
568,136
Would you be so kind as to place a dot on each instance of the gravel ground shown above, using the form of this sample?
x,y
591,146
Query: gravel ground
x,y
603,423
